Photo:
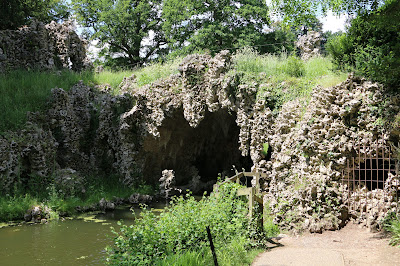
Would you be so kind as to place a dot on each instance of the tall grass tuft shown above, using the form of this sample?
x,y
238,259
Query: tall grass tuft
x,y
157,71
283,66
393,227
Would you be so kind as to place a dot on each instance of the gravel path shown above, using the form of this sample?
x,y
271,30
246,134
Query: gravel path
x,y
351,245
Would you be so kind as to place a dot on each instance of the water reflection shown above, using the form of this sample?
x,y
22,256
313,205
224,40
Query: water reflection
x,y
70,242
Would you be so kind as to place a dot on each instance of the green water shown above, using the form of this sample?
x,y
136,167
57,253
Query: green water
x,y
79,241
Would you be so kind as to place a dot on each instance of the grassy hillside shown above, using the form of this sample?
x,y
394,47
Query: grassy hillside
x,y
286,77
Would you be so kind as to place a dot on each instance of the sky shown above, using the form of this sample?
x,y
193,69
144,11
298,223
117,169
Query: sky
x,y
333,23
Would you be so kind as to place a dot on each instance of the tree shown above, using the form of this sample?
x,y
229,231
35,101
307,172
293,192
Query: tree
x,y
300,12
214,24
372,45
14,14
122,27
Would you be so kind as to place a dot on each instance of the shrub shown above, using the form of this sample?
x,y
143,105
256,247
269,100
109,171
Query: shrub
x,y
180,229
339,48
378,63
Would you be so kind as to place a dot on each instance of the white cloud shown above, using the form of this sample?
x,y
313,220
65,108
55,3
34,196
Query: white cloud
x,y
333,23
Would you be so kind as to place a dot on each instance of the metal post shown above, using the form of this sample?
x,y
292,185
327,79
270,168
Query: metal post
x,y
212,246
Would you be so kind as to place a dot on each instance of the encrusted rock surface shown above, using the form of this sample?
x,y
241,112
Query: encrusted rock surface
x,y
309,44
311,146
43,47
202,121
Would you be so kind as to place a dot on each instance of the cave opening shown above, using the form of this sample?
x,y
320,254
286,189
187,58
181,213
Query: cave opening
x,y
207,151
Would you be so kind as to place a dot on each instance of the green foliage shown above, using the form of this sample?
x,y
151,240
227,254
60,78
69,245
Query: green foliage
x,y
270,228
294,66
339,48
181,229
233,253
14,207
14,14
213,25
372,45
392,225
121,26
303,12
265,148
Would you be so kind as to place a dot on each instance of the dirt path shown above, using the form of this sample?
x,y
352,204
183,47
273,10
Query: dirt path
x,y
351,245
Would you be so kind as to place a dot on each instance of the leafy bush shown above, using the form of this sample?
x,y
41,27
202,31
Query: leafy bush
x,y
181,229
378,63
339,48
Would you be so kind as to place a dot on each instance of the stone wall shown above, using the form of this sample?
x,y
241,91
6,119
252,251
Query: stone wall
x,y
42,47
177,123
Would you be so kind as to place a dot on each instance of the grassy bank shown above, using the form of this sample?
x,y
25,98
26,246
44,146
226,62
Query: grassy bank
x,y
285,77
13,206
178,235
22,91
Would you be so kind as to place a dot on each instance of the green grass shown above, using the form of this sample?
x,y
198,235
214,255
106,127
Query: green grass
x,y
154,72
23,91
285,77
233,253
14,208
28,91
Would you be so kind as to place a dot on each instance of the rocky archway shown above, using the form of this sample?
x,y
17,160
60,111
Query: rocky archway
x,y
210,149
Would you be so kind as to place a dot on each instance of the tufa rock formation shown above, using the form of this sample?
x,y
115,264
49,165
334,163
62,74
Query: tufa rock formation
x,y
43,47
309,45
199,123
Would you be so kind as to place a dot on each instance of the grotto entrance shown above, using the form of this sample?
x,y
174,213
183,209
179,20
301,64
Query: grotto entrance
x,y
372,181
198,154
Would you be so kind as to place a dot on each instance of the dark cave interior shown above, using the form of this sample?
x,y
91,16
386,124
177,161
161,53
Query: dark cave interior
x,y
374,172
209,150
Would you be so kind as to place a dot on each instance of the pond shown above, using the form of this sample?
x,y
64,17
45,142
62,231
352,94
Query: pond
x,y
77,241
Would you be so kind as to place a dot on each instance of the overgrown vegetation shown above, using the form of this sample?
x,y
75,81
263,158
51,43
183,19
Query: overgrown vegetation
x,y
14,205
392,225
178,235
285,77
